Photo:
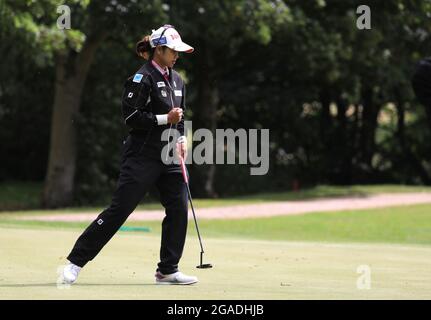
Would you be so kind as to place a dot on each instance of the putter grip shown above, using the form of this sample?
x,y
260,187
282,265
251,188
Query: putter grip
x,y
183,170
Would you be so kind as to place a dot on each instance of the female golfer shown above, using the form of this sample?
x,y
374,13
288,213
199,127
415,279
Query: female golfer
x,y
153,101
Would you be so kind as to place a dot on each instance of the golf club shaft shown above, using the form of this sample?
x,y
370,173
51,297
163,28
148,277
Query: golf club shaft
x,y
186,181
194,217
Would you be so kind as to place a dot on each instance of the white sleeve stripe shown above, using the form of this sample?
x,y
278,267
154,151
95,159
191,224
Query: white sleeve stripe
x,y
130,115
162,119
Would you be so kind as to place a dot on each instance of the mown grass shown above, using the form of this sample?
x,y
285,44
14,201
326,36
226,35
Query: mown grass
x,y
243,269
402,225
398,225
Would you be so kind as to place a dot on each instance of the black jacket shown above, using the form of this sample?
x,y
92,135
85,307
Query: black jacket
x,y
147,94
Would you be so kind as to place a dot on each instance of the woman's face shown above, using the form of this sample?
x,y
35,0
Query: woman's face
x,y
168,57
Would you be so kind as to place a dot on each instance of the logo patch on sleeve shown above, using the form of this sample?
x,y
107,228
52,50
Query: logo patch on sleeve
x,y
163,92
138,77
178,93
161,84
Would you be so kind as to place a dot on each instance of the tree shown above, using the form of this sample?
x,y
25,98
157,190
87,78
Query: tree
x,y
72,51
218,30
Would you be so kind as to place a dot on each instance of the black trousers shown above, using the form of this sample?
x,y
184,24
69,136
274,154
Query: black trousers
x,y
140,169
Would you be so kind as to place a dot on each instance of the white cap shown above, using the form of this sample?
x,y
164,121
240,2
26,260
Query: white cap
x,y
171,39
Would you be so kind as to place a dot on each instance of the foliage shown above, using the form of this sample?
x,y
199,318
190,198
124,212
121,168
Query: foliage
x,y
337,100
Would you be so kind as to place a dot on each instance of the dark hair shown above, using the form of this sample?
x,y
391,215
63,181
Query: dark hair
x,y
143,46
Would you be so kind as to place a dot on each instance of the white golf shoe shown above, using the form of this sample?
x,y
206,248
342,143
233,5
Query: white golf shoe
x,y
70,273
175,278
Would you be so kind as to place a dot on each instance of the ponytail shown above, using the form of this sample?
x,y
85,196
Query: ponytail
x,y
143,48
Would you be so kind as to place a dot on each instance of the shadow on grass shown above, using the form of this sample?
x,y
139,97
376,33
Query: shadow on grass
x,y
35,285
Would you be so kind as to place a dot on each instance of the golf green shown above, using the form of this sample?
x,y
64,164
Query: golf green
x,y
243,269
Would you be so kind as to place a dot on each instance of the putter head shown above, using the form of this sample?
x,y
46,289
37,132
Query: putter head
x,y
204,265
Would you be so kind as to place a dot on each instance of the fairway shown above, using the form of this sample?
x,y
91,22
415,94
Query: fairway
x,y
243,269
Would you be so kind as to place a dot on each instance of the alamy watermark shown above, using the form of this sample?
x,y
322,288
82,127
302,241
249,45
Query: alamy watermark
x,y
64,20
227,147
364,20
364,280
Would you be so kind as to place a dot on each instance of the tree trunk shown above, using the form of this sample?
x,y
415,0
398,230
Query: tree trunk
x,y
206,113
325,118
210,95
326,133
368,129
400,121
343,144
71,72
428,113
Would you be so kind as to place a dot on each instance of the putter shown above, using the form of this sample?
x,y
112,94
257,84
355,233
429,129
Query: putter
x,y
186,180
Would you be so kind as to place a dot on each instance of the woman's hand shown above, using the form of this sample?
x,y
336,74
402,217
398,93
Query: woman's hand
x,y
175,115
182,148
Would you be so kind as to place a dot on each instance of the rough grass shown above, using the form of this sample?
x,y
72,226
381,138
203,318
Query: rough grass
x,y
20,195
17,196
